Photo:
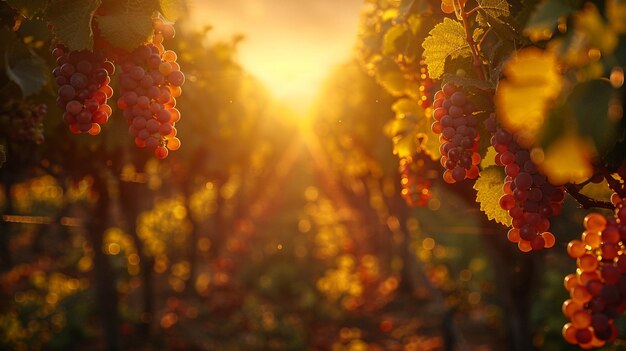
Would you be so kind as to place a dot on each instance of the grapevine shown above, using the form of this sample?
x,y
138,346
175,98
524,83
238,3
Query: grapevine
x,y
536,120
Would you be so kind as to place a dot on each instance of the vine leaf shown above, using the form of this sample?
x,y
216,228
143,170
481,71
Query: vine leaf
x,y
429,141
393,82
129,25
546,17
590,22
403,133
568,159
390,45
27,8
492,15
494,8
466,82
589,103
29,73
172,9
403,129
523,98
489,159
405,106
71,21
488,188
22,65
447,39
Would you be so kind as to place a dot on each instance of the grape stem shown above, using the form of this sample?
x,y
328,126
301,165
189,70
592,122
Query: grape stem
x,y
472,11
584,200
614,184
476,62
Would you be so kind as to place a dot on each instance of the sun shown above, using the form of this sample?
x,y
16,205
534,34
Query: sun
x,y
290,46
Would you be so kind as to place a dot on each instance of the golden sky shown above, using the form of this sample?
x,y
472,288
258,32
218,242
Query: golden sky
x,y
290,45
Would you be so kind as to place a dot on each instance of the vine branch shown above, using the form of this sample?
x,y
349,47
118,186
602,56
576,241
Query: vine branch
x,y
584,200
476,62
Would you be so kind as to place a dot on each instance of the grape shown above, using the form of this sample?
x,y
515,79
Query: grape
x,y
148,87
456,125
83,79
528,197
595,222
413,179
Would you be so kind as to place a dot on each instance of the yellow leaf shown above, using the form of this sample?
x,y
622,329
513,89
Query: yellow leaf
x,y
393,82
488,188
568,159
406,106
447,39
494,8
489,159
403,133
522,99
429,141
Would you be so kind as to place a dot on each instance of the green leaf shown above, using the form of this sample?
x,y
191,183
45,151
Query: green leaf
x,y
71,21
488,188
27,8
447,39
492,15
494,8
22,65
30,73
589,103
546,16
128,26
173,9
466,82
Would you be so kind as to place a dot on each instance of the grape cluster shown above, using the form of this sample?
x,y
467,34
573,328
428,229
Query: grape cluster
x,y
22,120
427,87
83,80
528,196
415,184
598,289
456,124
150,82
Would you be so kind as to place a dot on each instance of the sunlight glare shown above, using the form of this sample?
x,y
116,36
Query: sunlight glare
x,y
289,45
